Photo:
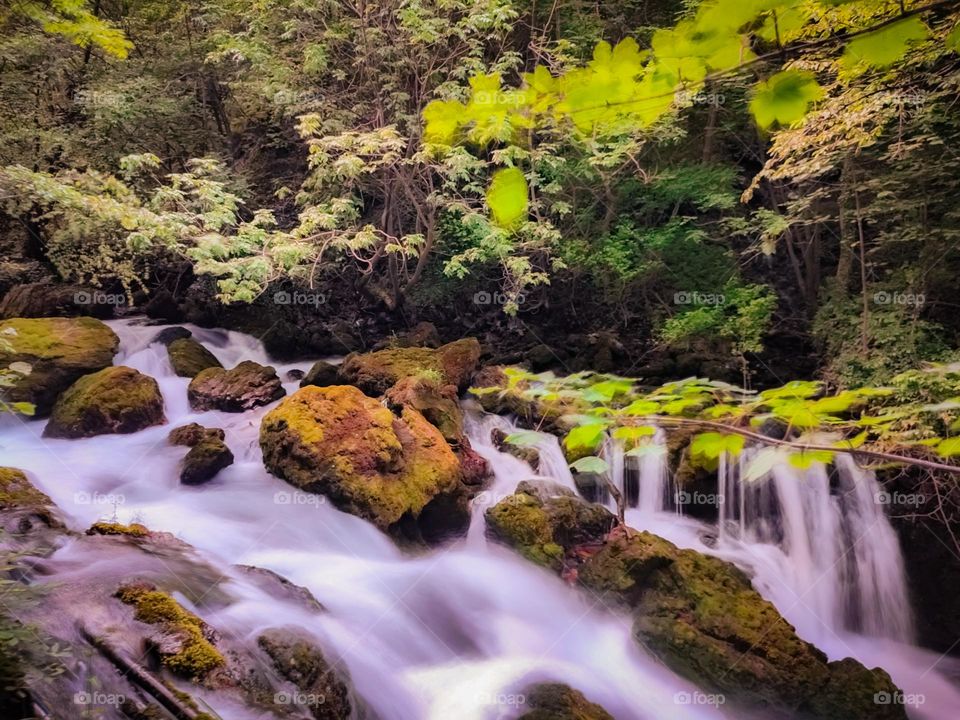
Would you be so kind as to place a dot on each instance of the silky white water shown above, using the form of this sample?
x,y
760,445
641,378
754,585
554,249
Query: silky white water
x,y
459,631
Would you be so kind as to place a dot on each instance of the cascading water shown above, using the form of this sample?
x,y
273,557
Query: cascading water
x,y
454,633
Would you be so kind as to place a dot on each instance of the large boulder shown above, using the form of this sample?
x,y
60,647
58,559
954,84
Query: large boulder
x,y
556,701
450,364
58,350
397,472
699,614
189,358
114,400
246,386
23,506
320,685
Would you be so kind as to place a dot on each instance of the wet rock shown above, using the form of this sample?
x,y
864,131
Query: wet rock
x,y
193,434
529,455
184,642
542,357
321,374
555,701
163,305
278,586
168,335
246,386
323,685
450,364
114,400
189,358
58,350
393,471
437,403
295,374
24,507
45,299
699,614
543,529
204,461
474,469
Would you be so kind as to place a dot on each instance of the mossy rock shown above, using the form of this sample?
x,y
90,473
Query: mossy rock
x,y
299,661
697,613
239,389
58,350
556,701
114,400
386,469
189,358
437,403
321,374
376,372
529,455
543,526
187,649
134,530
204,460
703,618
194,433
21,503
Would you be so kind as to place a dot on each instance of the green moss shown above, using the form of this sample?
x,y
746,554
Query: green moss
x,y
16,491
555,701
339,442
374,373
135,530
189,358
197,656
114,400
51,337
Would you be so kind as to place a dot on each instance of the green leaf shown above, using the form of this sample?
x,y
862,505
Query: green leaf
x,y
525,438
584,437
633,433
590,464
806,458
949,447
785,98
507,197
885,46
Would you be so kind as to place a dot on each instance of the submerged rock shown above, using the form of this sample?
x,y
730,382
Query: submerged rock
x,y
450,364
397,472
556,701
321,374
168,335
189,358
246,386
204,460
322,685
22,504
114,400
134,530
529,455
58,350
698,613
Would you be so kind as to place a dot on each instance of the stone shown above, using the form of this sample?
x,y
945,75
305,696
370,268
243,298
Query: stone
x,y
246,386
189,358
376,372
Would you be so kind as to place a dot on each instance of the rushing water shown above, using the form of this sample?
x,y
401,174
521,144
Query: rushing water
x,y
459,631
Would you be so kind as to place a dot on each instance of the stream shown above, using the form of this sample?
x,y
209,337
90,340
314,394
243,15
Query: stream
x,y
460,630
